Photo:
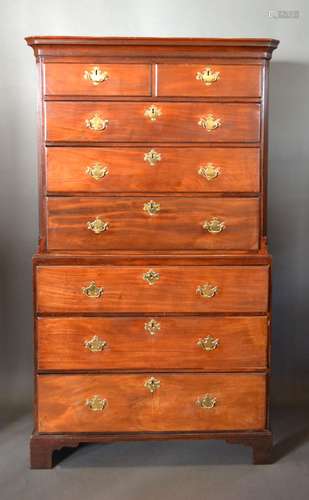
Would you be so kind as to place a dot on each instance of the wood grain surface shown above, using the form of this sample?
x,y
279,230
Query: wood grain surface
x,y
177,225
240,403
242,343
65,121
240,289
177,171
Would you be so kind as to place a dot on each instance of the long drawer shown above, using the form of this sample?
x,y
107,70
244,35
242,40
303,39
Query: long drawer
x,y
160,223
153,402
147,169
167,343
134,122
144,289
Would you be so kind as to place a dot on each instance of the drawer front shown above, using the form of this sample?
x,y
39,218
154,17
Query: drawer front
x,y
144,289
148,169
209,80
126,121
97,79
67,403
167,343
164,223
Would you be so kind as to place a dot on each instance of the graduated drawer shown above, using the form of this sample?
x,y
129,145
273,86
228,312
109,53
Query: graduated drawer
x,y
159,223
126,121
209,80
170,343
147,169
144,289
97,79
116,403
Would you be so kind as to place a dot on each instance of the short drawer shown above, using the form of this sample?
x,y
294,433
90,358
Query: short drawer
x,y
150,402
97,79
148,169
160,343
209,80
152,289
159,223
127,122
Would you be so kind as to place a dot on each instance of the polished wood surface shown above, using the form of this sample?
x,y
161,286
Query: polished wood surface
x,y
131,407
178,224
176,171
234,80
123,79
241,289
242,343
65,121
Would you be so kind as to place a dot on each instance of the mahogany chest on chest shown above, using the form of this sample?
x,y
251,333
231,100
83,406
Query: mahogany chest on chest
x,y
152,276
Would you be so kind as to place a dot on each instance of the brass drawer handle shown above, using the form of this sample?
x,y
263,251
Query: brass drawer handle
x,y
208,343
97,171
207,401
152,326
97,226
209,172
207,291
152,384
153,112
152,207
152,157
96,403
96,123
96,75
93,291
214,225
95,344
209,123
208,76
151,277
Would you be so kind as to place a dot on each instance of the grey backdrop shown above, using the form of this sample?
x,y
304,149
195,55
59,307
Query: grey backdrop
x,y
289,153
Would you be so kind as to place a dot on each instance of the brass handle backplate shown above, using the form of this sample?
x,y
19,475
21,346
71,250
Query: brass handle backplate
x,y
207,291
93,291
152,207
153,112
151,276
206,401
97,171
96,403
95,344
152,326
214,225
152,157
96,123
209,123
209,171
208,76
97,226
152,384
96,75
208,343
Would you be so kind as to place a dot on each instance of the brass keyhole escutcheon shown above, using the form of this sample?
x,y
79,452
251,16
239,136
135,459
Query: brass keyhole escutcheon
x,y
207,401
93,291
152,384
153,112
